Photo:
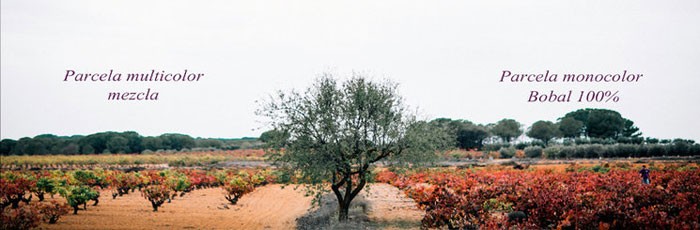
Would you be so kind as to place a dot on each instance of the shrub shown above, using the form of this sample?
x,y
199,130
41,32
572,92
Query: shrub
x,y
494,147
623,165
456,154
494,154
90,178
568,142
156,194
521,145
52,210
179,183
589,151
44,186
13,188
610,151
22,217
463,199
657,150
79,195
551,152
236,188
123,182
695,149
600,169
628,150
680,147
533,151
507,152
567,152
537,143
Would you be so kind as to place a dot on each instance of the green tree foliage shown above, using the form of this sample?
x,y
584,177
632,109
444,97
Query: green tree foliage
x,y
104,142
78,195
460,133
338,131
87,149
569,127
177,141
6,146
153,143
448,128
630,130
471,136
507,129
533,151
274,137
599,123
208,143
544,131
118,144
44,185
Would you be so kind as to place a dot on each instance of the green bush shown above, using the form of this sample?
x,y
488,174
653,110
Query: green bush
x,y
521,145
494,147
507,152
680,147
657,150
600,169
79,195
568,152
552,152
628,150
695,149
533,151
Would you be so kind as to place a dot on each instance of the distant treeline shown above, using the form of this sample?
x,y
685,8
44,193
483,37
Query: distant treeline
x,y
586,129
117,142
583,133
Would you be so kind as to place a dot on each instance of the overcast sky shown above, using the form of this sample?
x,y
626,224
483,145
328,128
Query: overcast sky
x,y
447,57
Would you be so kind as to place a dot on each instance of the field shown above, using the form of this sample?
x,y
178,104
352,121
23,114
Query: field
x,y
602,196
243,198
154,160
267,207
605,194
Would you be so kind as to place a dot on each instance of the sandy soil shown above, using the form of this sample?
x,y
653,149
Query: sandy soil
x,y
391,208
268,207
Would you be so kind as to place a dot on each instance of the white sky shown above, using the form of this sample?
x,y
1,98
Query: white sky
x,y
447,57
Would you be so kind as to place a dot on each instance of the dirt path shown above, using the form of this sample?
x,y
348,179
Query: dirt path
x,y
268,207
390,208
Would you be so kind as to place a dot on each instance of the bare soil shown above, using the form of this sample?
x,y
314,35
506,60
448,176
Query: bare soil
x,y
390,208
268,207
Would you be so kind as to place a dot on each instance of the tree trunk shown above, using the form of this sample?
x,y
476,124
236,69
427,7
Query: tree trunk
x,y
155,206
75,209
15,203
345,198
343,210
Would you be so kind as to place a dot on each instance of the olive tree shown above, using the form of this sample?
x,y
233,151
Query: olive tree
x,y
337,132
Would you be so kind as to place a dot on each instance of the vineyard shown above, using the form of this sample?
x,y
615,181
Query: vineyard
x,y
158,159
579,198
24,194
